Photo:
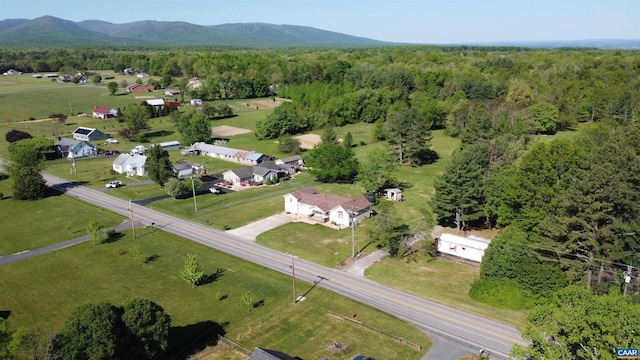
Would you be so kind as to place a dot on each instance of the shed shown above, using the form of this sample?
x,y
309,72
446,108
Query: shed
x,y
394,194
470,248
170,145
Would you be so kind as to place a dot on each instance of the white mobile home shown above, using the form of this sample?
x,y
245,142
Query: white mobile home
x,y
470,248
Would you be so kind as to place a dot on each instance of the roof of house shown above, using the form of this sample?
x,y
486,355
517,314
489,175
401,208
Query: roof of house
x,y
83,130
101,110
254,156
135,160
266,354
243,173
326,202
293,158
155,102
229,152
182,166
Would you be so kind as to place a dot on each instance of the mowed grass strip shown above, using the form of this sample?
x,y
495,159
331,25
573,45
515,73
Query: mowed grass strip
x,y
28,225
445,281
42,292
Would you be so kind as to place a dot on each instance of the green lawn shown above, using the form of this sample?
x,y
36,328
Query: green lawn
x,y
445,281
41,292
30,225
316,243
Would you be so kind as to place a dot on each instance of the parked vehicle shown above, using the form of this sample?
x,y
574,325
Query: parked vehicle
x,y
114,184
111,141
214,190
106,152
115,152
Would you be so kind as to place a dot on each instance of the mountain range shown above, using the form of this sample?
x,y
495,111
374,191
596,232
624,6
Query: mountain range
x,y
49,31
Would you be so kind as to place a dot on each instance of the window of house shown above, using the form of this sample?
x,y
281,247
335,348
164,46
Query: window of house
x,y
339,214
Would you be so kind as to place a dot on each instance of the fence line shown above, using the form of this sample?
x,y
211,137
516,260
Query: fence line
x,y
374,330
236,346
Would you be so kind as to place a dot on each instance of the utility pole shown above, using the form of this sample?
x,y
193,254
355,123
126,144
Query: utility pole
x,y
627,279
293,275
353,224
133,225
193,188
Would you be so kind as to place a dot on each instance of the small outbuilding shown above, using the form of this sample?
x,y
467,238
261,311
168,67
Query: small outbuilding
x,y
393,194
466,247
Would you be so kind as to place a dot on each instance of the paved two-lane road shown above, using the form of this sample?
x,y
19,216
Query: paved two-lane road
x,y
471,330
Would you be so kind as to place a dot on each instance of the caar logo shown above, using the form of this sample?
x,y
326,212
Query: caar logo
x,y
627,353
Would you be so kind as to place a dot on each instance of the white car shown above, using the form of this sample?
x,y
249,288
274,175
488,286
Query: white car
x,y
214,190
114,184
111,141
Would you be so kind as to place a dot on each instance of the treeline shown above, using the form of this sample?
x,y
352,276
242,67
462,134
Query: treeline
x,y
569,210
457,88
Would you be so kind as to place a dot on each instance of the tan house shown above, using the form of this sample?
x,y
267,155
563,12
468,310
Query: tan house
x,y
323,207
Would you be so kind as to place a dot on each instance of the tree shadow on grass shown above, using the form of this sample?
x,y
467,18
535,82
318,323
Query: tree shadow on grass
x,y
159,133
151,258
259,303
426,156
208,279
112,237
190,339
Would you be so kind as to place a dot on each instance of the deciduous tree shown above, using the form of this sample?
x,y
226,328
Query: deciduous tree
x,y
377,171
113,87
27,162
574,324
194,127
191,271
148,325
332,162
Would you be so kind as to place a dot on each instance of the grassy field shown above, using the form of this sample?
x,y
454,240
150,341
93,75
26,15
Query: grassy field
x,y
41,292
30,225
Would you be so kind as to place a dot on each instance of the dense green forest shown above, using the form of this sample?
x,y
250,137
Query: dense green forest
x,y
569,210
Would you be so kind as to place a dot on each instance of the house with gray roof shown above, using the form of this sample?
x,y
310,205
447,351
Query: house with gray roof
x,y
256,174
71,148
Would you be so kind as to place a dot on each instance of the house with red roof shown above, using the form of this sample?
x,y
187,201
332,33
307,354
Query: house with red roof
x,y
327,208
105,112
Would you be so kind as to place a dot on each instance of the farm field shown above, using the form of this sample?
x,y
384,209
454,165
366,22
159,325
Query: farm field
x,y
64,281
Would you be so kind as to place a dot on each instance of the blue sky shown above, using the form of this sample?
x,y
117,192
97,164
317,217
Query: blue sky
x,y
411,21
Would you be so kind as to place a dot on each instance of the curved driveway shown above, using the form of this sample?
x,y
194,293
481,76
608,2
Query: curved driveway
x,y
468,329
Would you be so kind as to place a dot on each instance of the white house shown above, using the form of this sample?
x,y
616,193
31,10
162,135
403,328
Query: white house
x,y
322,207
104,112
71,148
470,247
132,165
